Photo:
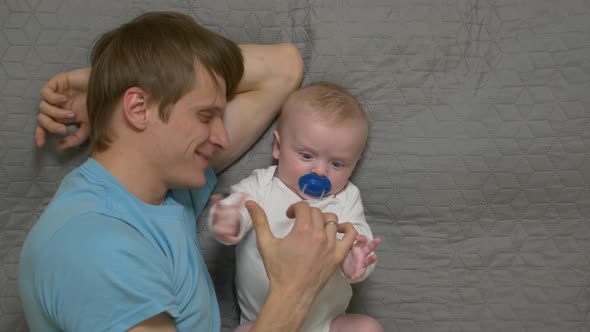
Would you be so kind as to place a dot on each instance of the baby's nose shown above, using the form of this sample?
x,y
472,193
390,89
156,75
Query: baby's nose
x,y
321,170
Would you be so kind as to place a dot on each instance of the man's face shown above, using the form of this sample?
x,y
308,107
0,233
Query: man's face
x,y
306,145
194,131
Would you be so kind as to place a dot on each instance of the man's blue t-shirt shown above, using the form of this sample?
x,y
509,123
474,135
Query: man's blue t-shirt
x,y
99,259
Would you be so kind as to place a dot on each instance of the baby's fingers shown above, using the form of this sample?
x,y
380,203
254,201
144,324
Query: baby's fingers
x,y
239,201
369,247
373,244
215,198
360,240
359,269
372,258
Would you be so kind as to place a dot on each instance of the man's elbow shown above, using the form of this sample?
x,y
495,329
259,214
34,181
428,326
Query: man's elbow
x,y
292,71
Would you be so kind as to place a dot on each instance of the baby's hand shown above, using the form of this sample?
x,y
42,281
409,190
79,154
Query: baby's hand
x,y
225,218
359,257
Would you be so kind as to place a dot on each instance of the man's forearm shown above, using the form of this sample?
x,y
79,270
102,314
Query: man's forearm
x,y
284,311
270,64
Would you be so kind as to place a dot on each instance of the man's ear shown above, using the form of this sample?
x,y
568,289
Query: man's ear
x,y
276,145
135,108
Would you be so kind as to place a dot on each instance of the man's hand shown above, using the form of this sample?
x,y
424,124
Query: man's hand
x,y
63,103
359,257
298,265
225,217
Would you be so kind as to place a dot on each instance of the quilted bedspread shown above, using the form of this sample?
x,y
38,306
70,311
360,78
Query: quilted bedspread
x,y
477,171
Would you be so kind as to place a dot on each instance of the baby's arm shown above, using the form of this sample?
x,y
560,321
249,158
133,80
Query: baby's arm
x,y
359,263
228,218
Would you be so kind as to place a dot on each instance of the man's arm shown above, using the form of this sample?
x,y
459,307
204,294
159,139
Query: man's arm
x,y
271,73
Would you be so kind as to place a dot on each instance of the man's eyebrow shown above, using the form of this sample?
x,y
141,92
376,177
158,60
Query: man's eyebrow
x,y
211,108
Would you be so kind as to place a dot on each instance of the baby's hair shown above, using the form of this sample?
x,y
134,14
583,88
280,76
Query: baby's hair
x,y
327,102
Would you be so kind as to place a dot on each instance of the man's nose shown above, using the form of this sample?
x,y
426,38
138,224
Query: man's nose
x,y
218,134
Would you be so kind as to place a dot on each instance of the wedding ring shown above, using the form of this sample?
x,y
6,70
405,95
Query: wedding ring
x,y
331,223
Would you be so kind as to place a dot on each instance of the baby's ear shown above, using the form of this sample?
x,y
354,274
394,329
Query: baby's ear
x,y
276,145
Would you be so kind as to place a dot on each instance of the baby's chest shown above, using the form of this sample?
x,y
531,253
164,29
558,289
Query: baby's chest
x,y
276,212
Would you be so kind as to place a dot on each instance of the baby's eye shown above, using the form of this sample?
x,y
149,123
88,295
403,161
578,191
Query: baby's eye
x,y
337,164
306,156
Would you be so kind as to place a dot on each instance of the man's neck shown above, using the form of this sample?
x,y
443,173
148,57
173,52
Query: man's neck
x,y
133,173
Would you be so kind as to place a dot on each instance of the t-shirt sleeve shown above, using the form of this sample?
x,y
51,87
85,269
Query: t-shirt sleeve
x,y
100,274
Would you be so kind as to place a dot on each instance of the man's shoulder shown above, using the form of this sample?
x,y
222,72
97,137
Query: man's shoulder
x,y
77,197
76,233
81,208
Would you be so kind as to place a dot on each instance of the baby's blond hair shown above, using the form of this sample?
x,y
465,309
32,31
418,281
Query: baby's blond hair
x,y
327,102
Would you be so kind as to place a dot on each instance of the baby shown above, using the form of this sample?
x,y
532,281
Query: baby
x,y
321,135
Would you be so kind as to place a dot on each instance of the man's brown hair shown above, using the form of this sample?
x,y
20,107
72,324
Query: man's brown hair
x,y
156,52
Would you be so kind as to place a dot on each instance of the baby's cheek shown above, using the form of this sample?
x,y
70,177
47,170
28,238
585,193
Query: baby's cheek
x,y
338,185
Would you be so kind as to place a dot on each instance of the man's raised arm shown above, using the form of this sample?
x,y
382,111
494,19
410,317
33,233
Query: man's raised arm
x,y
271,73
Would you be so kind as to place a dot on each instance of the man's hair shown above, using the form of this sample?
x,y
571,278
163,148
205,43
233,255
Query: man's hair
x,y
327,102
156,52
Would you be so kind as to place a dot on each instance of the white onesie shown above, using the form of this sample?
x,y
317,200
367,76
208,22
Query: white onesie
x,y
275,197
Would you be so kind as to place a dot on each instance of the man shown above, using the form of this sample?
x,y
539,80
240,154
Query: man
x,y
116,248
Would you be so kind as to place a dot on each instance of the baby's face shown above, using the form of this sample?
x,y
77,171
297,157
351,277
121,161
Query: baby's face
x,y
306,145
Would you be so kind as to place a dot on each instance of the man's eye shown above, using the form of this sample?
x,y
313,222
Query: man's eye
x,y
306,156
337,164
205,118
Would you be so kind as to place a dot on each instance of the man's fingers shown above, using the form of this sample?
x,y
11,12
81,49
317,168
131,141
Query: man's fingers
x,y
48,93
40,136
75,139
298,210
51,126
55,112
347,241
317,219
329,216
260,223
330,229
301,212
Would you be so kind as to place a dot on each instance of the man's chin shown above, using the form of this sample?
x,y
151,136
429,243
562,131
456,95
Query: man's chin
x,y
193,183
198,184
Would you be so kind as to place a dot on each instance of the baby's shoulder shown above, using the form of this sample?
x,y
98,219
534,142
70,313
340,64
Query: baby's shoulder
x,y
351,190
259,178
264,176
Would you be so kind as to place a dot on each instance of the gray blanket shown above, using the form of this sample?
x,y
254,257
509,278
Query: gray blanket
x,y
477,172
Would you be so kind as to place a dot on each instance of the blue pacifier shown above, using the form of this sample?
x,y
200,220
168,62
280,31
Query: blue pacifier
x,y
314,185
